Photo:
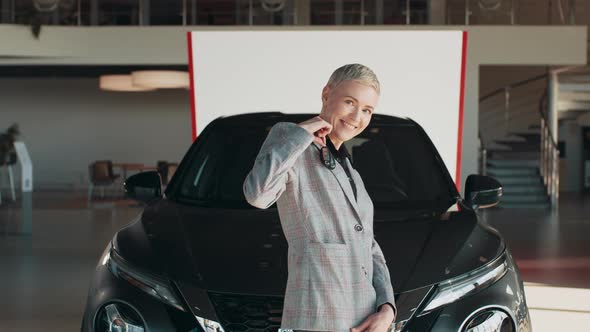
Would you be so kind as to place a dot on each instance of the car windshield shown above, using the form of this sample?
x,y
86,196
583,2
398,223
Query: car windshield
x,y
397,163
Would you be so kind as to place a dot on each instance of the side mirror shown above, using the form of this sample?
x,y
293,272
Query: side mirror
x,y
482,191
144,186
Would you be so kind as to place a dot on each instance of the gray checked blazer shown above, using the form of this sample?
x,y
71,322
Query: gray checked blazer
x,y
337,273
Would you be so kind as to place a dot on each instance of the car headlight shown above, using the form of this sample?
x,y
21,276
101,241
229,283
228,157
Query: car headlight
x,y
209,325
454,289
118,317
151,284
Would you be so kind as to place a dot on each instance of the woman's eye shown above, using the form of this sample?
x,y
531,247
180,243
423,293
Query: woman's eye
x,y
368,110
349,102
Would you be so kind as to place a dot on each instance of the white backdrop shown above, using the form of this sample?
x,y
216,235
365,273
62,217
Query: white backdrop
x,y
258,71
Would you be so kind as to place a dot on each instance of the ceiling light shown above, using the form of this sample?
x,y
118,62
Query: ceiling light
x,y
161,79
119,83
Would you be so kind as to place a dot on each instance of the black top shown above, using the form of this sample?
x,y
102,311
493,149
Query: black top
x,y
340,155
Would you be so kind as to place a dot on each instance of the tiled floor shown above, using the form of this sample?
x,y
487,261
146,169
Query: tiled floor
x,y
552,250
550,247
44,277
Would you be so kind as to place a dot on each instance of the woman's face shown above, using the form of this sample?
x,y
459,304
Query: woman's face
x,y
348,108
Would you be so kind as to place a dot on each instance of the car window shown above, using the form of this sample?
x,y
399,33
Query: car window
x,y
397,165
217,171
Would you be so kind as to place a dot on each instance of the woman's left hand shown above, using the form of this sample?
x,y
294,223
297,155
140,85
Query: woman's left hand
x,y
377,322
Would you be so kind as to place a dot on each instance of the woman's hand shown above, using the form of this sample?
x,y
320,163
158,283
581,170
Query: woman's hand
x,y
378,322
318,127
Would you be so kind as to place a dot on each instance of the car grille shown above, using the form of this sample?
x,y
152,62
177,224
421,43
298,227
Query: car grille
x,y
247,313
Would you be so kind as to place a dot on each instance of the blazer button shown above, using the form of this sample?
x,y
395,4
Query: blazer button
x,y
358,227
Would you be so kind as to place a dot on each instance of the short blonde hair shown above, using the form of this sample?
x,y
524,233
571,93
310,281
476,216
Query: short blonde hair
x,y
356,72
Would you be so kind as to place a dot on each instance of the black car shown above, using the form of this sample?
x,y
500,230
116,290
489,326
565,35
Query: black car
x,y
200,258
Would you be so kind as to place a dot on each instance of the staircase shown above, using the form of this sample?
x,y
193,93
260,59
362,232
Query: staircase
x,y
516,166
510,128
514,135
513,126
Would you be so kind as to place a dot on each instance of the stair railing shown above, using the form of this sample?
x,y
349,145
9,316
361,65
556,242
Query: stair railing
x,y
549,152
549,160
483,156
509,108
565,9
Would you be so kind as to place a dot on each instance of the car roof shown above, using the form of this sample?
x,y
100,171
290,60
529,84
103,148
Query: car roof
x,y
270,118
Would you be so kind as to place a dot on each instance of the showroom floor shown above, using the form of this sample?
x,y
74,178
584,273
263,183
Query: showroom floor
x,y
45,276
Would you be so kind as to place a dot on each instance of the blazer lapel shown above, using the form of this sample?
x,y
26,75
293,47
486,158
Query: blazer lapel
x,y
342,178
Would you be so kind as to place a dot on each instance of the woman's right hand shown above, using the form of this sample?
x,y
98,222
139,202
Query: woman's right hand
x,y
318,127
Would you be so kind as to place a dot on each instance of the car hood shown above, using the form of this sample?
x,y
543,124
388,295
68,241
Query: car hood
x,y
244,251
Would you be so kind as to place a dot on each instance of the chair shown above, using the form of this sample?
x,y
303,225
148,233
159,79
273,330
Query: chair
x,y
162,166
100,174
171,170
166,170
9,160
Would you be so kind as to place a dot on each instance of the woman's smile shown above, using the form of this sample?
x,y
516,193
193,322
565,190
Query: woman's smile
x,y
348,125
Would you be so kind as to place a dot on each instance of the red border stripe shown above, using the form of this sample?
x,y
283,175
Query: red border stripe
x,y
192,85
461,111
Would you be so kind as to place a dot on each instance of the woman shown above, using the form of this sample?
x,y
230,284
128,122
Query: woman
x,y
338,279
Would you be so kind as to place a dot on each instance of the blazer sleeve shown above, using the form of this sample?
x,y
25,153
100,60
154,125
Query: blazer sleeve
x,y
267,179
381,278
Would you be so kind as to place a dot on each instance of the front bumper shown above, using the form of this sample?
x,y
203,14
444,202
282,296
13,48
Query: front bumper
x,y
506,295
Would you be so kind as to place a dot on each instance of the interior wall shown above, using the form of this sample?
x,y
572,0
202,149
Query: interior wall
x,y
570,166
496,77
583,121
68,123
296,87
487,45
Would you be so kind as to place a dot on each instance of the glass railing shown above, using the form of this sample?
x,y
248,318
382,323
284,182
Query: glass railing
x,y
213,12
286,12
